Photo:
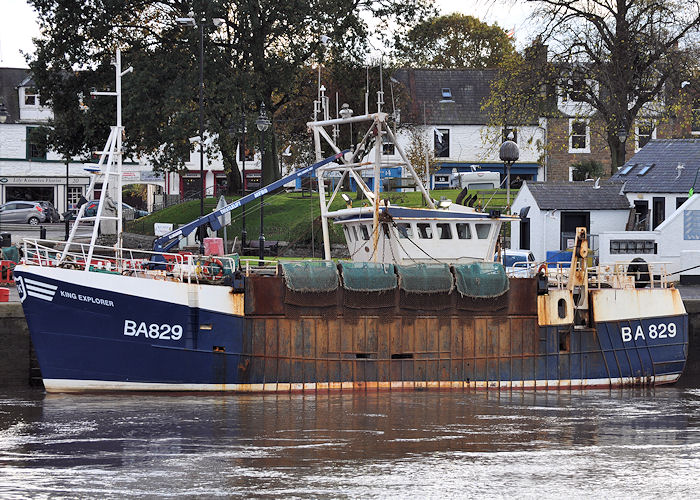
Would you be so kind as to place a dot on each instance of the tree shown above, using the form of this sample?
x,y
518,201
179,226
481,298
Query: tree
x,y
620,58
587,169
519,94
453,41
260,53
421,152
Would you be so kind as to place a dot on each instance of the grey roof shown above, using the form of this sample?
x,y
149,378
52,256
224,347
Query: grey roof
x,y
578,196
663,156
10,79
469,87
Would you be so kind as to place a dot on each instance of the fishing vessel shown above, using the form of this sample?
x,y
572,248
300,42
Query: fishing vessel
x,y
420,304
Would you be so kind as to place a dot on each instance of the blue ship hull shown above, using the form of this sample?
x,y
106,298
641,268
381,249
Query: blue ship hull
x,y
109,336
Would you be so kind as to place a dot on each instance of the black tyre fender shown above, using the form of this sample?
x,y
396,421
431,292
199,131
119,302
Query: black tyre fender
x,y
640,270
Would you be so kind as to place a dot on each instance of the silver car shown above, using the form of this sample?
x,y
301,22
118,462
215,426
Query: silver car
x,y
29,212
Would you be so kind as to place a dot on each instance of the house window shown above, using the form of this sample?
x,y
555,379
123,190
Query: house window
x,y
644,132
579,136
221,184
31,96
36,145
577,90
442,143
510,134
388,149
695,123
632,246
74,194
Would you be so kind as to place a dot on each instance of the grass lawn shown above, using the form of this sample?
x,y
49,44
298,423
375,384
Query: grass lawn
x,y
288,216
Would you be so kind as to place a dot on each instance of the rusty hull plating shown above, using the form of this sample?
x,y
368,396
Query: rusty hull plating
x,y
392,340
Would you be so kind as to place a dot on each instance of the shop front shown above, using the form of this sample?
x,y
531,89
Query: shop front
x,y
36,188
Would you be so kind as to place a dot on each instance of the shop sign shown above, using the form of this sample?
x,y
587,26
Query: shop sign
x,y
43,180
152,176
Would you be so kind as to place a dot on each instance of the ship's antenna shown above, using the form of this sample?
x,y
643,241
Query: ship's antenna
x,y
367,93
380,92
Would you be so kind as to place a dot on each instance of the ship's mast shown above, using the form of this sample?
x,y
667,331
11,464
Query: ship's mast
x,y
109,169
354,163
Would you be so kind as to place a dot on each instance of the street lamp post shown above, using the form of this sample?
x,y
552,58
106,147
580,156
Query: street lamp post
x,y
3,112
190,21
244,233
509,154
263,123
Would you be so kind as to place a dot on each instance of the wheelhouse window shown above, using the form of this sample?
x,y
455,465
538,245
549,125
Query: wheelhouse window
x,y
365,232
354,233
425,231
442,142
405,230
464,232
482,231
444,231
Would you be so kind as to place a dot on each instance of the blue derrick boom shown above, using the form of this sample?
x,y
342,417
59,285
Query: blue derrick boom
x,y
169,240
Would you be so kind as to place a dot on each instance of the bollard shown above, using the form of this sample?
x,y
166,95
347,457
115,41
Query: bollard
x,y
42,233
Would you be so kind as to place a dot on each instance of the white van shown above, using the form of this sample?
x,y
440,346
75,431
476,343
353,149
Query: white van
x,y
475,180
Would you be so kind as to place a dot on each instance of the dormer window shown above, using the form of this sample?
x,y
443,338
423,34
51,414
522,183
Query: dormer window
x,y
574,90
446,93
31,96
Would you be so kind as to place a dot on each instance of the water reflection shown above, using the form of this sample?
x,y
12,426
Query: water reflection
x,y
622,443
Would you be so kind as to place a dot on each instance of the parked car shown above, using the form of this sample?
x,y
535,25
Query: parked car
x,y
52,214
518,263
29,212
137,211
128,212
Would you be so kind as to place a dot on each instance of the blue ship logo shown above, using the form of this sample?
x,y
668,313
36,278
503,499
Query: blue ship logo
x,y
33,288
21,291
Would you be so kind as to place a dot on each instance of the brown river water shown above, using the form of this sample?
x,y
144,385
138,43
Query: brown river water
x,y
631,443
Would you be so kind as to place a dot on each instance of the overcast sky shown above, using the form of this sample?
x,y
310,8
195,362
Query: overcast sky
x,y
18,23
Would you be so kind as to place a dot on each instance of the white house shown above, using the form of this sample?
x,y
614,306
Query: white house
x,y
551,212
30,172
446,108
675,242
658,177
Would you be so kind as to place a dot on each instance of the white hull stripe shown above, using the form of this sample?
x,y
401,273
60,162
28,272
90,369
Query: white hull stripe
x,y
67,385
39,289
39,295
40,285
